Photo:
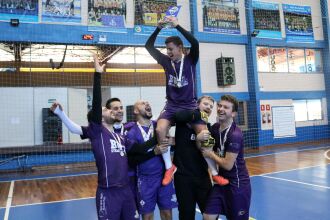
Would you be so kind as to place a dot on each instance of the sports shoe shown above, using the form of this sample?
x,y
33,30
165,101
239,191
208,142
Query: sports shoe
x,y
220,180
168,176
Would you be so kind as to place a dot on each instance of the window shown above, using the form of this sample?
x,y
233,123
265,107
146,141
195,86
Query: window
x,y
314,109
263,59
278,60
293,60
313,60
296,58
241,116
307,110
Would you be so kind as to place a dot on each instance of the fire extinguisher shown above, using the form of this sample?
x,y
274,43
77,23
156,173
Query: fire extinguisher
x,y
269,117
263,118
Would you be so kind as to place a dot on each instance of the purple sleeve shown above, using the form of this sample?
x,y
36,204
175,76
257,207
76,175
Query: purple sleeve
x,y
91,131
129,140
234,143
84,133
150,46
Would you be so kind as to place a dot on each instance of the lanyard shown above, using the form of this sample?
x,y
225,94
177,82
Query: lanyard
x,y
146,136
121,126
222,144
180,71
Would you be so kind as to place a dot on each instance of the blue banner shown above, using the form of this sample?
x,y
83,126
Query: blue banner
x,y
68,11
221,16
107,16
173,11
298,23
25,11
267,19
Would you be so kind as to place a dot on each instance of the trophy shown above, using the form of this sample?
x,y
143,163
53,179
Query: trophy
x,y
172,11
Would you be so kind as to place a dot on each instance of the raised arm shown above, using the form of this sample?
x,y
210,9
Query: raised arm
x,y
150,45
96,115
72,126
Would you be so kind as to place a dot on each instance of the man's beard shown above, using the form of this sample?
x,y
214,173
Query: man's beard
x,y
147,116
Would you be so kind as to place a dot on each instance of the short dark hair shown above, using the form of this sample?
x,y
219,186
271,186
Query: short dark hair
x,y
231,99
205,97
111,100
175,40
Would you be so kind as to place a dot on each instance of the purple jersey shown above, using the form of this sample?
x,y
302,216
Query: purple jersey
x,y
238,175
110,155
123,131
186,94
155,165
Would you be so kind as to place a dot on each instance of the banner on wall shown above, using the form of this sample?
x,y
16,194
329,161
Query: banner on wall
x,y
221,16
61,11
298,23
107,15
148,13
25,11
267,19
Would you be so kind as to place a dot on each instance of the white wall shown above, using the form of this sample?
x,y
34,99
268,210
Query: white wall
x,y
291,82
129,95
156,97
43,98
21,115
242,16
289,102
209,53
77,110
16,117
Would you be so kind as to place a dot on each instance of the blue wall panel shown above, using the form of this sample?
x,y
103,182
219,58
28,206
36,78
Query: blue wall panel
x,y
309,133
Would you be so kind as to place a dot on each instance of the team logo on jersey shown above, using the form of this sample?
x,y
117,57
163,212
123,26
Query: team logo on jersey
x,y
173,81
173,199
137,216
240,213
103,210
193,137
117,147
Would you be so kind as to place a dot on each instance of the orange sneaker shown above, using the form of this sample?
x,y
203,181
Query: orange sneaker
x,y
168,176
220,180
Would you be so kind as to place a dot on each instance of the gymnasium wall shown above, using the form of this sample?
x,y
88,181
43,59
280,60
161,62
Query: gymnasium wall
x,y
209,52
21,115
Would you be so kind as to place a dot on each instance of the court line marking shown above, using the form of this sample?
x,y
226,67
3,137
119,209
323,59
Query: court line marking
x,y
94,173
293,181
59,201
263,175
284,152
68,200
50,177
199,211
9,200
326,154
299,168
